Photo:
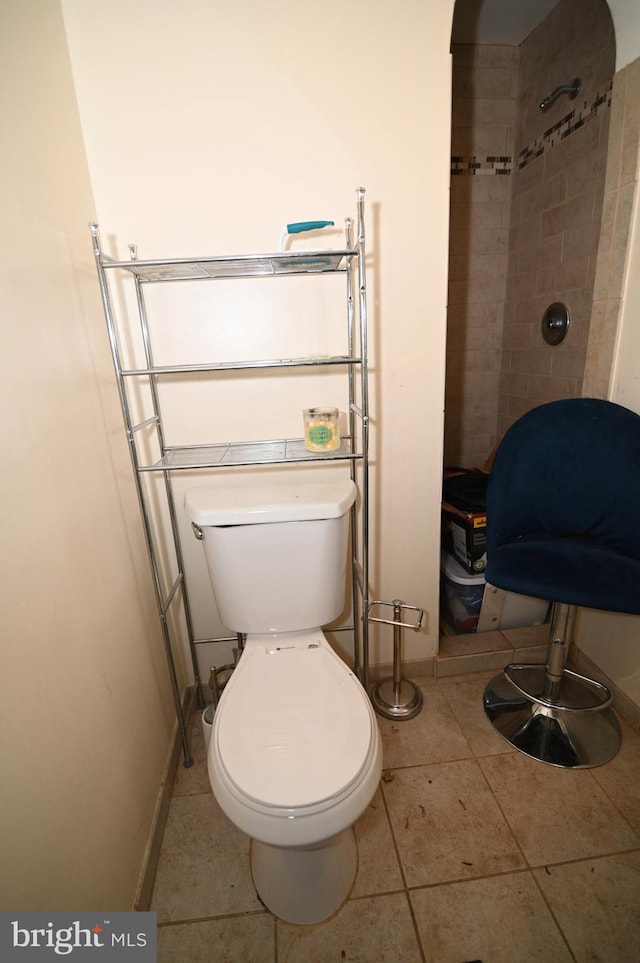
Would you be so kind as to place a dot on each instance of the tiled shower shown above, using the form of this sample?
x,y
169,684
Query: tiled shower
x,y
527,192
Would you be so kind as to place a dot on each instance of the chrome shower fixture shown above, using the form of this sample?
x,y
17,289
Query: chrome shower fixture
x,y
573,89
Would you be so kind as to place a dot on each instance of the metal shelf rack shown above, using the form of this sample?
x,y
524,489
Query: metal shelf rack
x,y
146,379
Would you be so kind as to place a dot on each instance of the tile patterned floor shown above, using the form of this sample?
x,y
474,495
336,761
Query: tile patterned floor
x,y
469,851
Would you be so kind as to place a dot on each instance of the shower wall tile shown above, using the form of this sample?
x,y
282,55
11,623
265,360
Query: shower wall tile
x,y
546,252
479,314
486,56
486,240
482,361
467,222
531,361
569,365
568,273
469,384
520,335
482,142
484,290
547,388
574,212
558,197
520,287
567,151
541,176
631,129
621,184
524,236
491,189
480,339
620,240
471,266
581,241
483,113
616,131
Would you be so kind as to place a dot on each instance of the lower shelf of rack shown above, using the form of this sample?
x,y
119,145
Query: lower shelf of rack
x,y
285,451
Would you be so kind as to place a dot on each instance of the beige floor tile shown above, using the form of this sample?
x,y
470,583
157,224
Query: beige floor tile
x,y
620,778
378,868
239,939
374,930
556,814
500,919
447,825
204,864
596,905
465,697
431,736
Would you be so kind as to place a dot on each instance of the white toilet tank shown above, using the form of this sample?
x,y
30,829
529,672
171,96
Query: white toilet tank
x,y
277,554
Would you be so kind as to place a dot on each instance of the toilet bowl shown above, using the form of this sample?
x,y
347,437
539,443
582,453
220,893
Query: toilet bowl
x,y
294,760
295,754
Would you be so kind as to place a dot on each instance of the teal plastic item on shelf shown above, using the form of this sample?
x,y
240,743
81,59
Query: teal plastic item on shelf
x,y
298,227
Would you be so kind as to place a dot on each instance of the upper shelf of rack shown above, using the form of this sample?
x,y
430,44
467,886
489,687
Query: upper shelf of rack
x,y
245,266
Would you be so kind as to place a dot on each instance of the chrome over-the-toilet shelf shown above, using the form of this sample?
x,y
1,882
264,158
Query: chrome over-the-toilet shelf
x,y
354,449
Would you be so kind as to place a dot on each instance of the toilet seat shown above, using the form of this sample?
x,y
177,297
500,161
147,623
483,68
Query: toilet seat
x,y
294,728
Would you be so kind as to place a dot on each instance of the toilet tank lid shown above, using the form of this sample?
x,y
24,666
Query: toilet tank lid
x,y
269,503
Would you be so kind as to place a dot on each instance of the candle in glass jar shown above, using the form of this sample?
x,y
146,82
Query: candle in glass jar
x,y
321,429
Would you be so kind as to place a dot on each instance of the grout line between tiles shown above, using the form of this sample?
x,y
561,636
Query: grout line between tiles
x,y
163,924
552,913
390,825
405,889
416,928
502,812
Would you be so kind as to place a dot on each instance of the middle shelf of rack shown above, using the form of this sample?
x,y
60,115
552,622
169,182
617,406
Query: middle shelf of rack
x,y
313,361
240,454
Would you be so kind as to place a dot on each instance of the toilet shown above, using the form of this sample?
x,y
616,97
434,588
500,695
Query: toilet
x,y
295,755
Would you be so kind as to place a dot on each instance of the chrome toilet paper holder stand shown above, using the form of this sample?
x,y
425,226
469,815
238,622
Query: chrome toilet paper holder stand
x,y
396,698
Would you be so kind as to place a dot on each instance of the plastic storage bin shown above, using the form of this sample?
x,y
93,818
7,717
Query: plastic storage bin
x,y
462,601
461,596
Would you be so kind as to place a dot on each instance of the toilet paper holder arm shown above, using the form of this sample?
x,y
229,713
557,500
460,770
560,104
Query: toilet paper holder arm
x,y
397,612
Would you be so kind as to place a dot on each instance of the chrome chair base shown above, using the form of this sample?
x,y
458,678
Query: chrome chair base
x,y
576,729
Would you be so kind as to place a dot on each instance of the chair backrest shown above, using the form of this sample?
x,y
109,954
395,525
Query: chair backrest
x,y
568,468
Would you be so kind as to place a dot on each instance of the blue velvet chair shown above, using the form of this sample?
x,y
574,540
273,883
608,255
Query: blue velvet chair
x,y
563,523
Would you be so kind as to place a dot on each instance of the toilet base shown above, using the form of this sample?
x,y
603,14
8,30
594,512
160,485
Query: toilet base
x,y
305,885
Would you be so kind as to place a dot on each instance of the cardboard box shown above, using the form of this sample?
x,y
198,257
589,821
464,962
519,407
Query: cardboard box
x,y
467,532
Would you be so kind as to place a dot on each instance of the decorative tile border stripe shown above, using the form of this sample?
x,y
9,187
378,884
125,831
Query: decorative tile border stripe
x,y
477,165
567,125
574,120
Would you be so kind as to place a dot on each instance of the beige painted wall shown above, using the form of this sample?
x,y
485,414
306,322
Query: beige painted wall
x,y
203,135
86,716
